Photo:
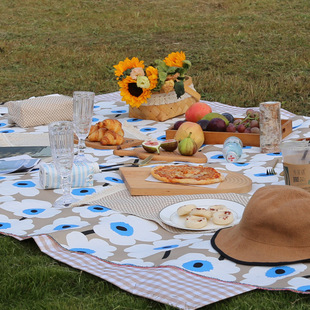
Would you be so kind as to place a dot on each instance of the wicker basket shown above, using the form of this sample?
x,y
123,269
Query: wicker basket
x,y
162,106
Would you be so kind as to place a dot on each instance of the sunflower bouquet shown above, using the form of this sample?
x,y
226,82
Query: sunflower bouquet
x,y
137,82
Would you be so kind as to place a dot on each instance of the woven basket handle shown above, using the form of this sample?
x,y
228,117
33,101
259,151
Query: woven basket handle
x,y
192,92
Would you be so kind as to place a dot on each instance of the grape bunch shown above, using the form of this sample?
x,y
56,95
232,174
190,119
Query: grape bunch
x,y
249,124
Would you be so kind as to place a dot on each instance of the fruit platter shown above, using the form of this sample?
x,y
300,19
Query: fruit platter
x,y
218,127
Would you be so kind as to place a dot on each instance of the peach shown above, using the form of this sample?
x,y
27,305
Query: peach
x,y
197,111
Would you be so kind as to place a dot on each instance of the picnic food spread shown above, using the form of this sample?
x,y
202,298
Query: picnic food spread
x,y
107,132
186,174
197,217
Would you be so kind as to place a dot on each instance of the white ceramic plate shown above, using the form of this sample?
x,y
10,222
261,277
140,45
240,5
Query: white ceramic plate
x,y
170,216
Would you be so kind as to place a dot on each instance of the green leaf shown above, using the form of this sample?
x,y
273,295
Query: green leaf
x,y
179,88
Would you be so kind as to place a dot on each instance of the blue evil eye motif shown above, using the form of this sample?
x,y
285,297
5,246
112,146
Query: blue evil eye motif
x,y
217,156
5,225
7,131
2,124
24,184
65,226
114,180
278,154
83,191
98,209
241,164
122,228
119,111
161,138
95,120
83,250
166,247
304,288
33,211
198,265
281,271
148,129
134,120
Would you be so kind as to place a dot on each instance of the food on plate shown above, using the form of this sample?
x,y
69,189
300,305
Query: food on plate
x,y
213,115
216,124
187,146
107,132
201,212
222,217
186,209
169,145
194,128
186,174
216,208
196,222
151,146
197,111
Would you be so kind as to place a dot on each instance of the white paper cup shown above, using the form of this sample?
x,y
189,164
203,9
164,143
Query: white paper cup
x,y
296,163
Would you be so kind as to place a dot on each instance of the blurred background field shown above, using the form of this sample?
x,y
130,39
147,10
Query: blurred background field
x,y
243,52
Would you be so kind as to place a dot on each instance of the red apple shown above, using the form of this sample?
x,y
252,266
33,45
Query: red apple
x,y
197,111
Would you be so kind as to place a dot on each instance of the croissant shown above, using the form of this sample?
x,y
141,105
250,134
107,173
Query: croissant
x,y
113,125
112,138
97,135
93,128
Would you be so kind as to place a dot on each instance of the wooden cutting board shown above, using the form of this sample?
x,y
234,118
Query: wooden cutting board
x,y
97,145
163,156
134,179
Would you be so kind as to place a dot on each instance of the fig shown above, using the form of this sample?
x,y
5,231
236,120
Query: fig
x,y
203,124
151,146
169,145
187,146
212,115
178,124
216,124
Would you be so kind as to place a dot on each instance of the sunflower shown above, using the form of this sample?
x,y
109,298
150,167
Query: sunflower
x,y
122,66
132,94
175,59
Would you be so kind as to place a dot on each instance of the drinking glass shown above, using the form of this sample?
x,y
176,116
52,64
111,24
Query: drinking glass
x,y
62,149
83,106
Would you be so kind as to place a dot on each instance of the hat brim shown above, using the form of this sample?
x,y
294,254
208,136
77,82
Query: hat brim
x,y
231,244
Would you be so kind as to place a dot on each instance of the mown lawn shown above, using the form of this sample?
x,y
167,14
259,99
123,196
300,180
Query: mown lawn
x,y
242,52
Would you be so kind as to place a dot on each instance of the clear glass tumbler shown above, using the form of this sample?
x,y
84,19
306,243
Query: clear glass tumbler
x,y
83,106
62,148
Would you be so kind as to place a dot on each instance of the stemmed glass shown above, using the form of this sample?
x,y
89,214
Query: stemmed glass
x,y
62,149
83,106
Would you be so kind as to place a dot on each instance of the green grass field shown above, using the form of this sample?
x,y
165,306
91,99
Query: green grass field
x,y
242,52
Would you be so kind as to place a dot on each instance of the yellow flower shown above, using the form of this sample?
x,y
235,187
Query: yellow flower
x,y
168,86
132,94
152,74
122,66
175,59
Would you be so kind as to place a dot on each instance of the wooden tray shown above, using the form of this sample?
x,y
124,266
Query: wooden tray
x,y
163,156
134,179
248,139
97,145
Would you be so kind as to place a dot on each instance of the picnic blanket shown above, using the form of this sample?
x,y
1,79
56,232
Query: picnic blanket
x,y
120,238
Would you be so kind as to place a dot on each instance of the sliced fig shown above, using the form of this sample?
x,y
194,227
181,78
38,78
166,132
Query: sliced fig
x,y
169,145
151,146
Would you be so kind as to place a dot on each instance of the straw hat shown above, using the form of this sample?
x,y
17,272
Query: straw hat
x,y
274,229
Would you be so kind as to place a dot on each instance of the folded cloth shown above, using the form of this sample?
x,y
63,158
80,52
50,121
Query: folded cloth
x,y
40,110
81,175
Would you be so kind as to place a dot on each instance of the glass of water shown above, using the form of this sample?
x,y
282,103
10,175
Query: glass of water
x,y
83,106
62,149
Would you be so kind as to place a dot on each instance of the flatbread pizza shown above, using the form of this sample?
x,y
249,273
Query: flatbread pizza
x,y
186,174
